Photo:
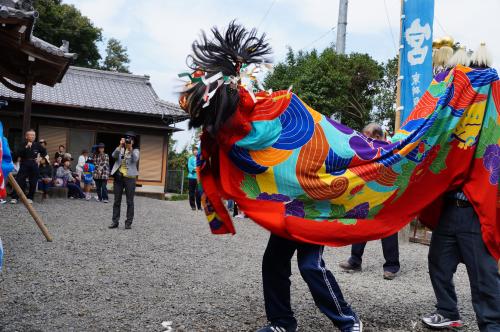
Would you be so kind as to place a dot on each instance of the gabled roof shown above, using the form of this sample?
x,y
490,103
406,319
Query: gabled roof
x,y
102,90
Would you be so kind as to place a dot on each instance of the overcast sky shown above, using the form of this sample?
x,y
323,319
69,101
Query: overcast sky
x,y
158,33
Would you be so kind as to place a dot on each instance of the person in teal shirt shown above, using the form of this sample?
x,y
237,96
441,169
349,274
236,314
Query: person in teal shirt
x,y
194,193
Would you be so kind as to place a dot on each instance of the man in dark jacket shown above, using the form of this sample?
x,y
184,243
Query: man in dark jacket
x,y
29,154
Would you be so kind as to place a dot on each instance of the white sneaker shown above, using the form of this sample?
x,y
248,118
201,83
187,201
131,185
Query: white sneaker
x,y
105,201
30,201
13,201
2,201
97,199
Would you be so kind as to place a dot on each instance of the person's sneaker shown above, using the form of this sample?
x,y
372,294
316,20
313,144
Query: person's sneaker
x,y
277,328
438,321
348,267
97,199
128,226
389,275
105,201
29,201
13,201
356,327
2,201
113,225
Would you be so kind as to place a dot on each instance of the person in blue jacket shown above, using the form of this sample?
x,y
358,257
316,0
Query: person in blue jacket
x,y
194,193
7,165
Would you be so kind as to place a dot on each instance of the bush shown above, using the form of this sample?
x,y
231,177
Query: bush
x,y
182,197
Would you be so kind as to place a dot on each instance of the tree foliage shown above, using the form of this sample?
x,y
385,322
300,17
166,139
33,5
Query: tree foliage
x,y
333,84
116,57
177,160
60,21
385,100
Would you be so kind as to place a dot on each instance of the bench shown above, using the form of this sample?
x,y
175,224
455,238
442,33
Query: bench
x,y
57,192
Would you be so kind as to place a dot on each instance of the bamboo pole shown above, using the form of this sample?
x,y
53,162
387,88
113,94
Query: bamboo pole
x,y
397,122
30,208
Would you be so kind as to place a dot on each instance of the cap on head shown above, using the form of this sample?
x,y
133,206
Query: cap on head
x,y
130,134
101,145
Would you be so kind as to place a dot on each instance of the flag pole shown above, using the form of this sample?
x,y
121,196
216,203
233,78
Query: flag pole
x,y
397,122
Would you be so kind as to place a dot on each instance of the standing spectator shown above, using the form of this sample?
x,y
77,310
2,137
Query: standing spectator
x,y
45,181
88,179
390,245
194,194
65,178
43,142
125,173
81,162
60,152
29,154
101,173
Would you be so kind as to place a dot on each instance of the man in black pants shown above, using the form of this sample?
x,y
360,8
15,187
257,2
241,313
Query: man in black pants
x,y
458,239
390,245
29,153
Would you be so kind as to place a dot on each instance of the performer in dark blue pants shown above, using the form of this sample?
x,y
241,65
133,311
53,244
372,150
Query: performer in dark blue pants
x,y
276,271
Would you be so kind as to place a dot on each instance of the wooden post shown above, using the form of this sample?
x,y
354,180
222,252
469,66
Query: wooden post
x,y
28,95
30,208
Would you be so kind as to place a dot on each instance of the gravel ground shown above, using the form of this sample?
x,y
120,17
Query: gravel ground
x,y
169,268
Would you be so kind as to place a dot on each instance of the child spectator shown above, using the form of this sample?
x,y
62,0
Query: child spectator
x,y
45,181
65,178
81,162
87,176
101,173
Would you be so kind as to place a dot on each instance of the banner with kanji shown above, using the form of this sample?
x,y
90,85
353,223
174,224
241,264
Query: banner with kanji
x,y
416,52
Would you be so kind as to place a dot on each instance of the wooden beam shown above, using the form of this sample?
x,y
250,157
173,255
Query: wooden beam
x,y
30,208
11,86
28,96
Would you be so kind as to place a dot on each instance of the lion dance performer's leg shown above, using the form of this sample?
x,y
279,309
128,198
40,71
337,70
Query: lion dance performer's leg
x,y
276,271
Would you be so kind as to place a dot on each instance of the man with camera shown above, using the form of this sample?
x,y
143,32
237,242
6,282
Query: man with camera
x,y
125,174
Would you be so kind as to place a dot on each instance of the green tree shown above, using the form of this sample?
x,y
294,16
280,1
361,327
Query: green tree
x,y
385,100
177,160
334,84
60,21
116,57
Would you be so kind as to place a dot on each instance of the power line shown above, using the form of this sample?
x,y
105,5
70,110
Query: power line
x,y
318,39
267,13
390,27
440,26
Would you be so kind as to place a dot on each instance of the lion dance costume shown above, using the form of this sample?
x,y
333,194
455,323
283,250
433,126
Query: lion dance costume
x,y
308,178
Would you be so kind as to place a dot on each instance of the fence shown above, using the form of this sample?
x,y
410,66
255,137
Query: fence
x,y
176,181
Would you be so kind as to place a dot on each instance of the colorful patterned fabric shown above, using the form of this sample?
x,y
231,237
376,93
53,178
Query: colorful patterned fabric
x,y
308,178
5,162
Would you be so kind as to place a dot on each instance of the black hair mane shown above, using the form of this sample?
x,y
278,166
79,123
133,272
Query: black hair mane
x,y
225,53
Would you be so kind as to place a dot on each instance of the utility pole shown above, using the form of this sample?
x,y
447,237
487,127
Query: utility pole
x,y
341,27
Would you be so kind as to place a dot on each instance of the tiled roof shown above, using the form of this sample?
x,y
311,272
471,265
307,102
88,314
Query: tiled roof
x,y
52,49
23,10
17,9
103,90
